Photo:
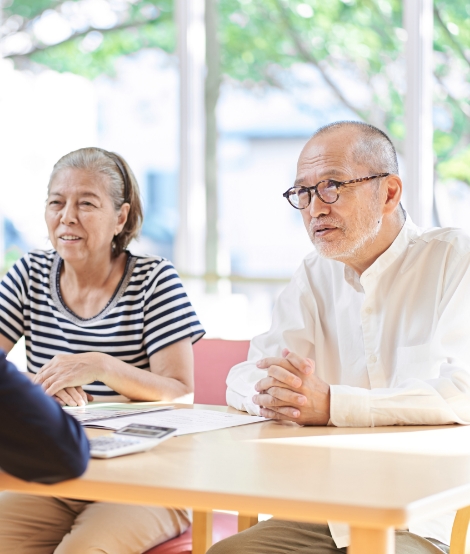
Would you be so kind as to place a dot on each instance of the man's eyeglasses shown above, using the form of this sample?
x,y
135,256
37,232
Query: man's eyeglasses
x,y
327,191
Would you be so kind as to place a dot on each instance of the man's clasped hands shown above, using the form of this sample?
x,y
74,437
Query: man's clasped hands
x,y
292,390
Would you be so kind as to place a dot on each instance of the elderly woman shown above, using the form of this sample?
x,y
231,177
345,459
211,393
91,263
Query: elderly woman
x,y
98,321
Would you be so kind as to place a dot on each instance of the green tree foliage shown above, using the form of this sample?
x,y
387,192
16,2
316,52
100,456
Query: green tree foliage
x,y
70,57
91,49
260,39
364,40
457,167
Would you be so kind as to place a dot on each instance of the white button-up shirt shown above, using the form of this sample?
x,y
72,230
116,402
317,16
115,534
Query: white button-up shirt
x,y
394,343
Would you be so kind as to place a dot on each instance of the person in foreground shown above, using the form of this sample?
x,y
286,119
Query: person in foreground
x,y
372,330
38,440
97,321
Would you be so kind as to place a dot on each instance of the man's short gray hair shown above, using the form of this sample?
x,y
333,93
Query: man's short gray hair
x,y
373,148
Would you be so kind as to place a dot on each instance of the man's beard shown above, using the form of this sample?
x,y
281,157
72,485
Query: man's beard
x,y
355,238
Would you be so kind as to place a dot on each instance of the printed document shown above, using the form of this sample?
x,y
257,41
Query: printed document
x,y
184,420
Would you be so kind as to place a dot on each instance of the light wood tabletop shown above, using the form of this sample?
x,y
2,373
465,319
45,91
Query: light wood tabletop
x,y
374,479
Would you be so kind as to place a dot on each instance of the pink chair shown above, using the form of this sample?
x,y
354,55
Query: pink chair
x,y
213,359
224,525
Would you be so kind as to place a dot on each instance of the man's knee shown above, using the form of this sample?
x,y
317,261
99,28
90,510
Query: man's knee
x,y
409,543
231,545
217,548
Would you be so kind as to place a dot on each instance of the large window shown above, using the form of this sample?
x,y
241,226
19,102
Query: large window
x,y
106,73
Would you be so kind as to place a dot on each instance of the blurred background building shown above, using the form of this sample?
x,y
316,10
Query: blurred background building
x,y
211,102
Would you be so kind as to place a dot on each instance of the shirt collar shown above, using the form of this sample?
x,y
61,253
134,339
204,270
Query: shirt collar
x,y
408,234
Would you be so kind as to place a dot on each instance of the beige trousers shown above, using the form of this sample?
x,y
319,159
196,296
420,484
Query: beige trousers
x,y
282,537
45,525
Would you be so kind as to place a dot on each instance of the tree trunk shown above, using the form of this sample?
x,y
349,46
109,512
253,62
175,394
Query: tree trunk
x,y
213,80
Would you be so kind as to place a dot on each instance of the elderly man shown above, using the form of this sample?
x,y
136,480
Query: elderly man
x,y
372,330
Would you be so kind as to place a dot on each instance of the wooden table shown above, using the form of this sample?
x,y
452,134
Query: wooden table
x,y
374,479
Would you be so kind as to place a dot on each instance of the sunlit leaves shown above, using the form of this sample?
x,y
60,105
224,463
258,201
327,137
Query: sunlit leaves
x,y
71,56
364,38
458,167
353,41
86,36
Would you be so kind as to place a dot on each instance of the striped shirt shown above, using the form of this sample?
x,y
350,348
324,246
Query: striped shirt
x,y
148,311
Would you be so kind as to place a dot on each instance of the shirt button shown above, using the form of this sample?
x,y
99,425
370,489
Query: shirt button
x,y
372,359
368,310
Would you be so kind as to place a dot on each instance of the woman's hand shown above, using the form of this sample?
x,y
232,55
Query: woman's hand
x,y
170,375
65,372
73,396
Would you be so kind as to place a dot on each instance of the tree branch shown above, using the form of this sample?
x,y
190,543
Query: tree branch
x,y
310,58
41,47
381,30
450,36
461,105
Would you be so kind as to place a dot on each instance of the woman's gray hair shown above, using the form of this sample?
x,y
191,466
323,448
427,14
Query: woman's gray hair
x,y
123,186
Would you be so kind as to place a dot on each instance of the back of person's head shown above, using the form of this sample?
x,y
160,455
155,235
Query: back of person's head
x,y
123,186
371,148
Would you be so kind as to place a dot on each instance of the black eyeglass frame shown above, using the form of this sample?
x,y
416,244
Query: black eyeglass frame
x,y
338,184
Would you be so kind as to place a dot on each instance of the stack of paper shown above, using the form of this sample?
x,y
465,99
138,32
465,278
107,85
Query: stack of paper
x,y
107,410
184,420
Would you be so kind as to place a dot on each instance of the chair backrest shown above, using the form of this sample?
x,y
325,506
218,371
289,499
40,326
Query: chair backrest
x,y
213,359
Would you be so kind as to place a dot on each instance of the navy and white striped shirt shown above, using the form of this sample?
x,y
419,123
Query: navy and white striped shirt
x,y
148,311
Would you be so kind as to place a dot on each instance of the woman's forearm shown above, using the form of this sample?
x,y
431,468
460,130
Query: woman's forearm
x,y
139,384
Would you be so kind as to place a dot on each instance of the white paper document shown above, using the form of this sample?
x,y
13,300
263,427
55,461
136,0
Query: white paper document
x,y
107,410
184,420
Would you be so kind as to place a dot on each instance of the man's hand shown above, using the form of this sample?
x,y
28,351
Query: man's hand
x,y
292,391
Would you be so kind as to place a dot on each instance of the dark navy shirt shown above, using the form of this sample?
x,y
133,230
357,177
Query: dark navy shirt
x,y
38,440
